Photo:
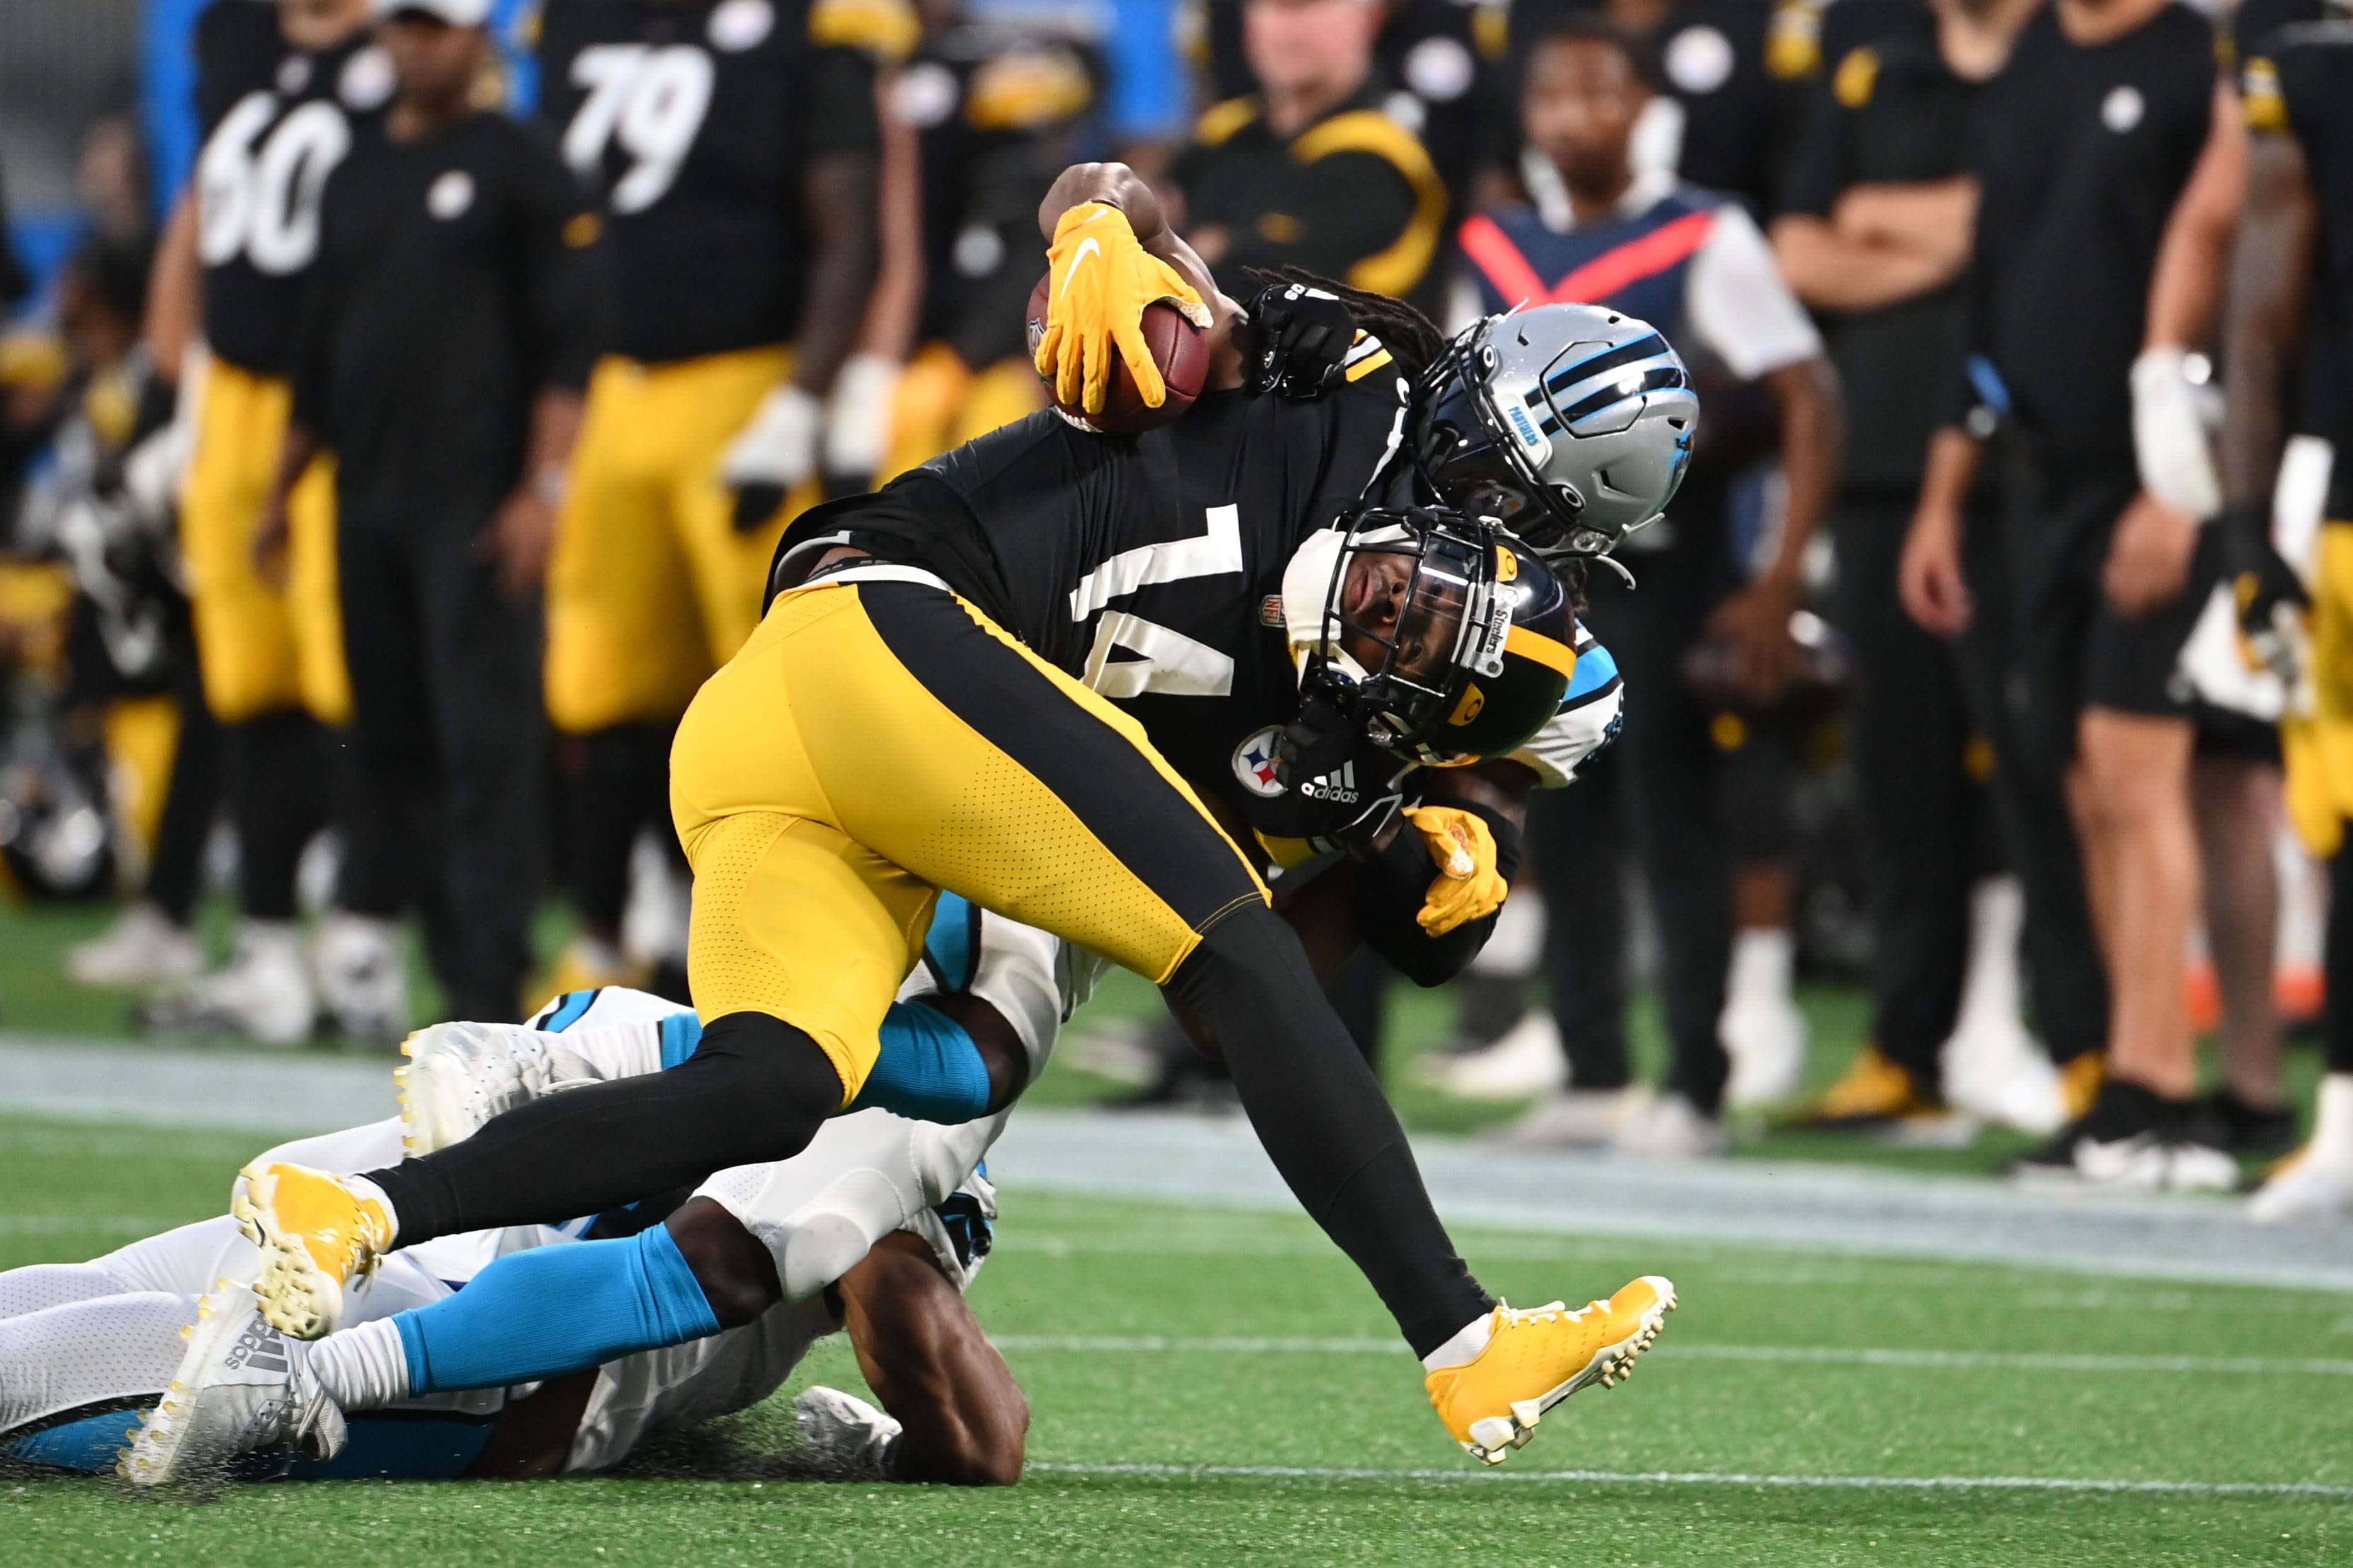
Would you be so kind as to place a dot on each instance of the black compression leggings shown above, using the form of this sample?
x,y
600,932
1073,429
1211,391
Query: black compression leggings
x,y
756,1089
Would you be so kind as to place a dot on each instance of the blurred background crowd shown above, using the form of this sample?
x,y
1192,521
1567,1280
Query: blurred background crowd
x,y
399,403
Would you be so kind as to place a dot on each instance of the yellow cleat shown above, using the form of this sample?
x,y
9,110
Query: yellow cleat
x,y
2080,1081
1873,1092
316,1235
1537,1358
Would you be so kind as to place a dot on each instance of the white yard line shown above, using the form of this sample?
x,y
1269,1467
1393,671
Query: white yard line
x,y
1707,1478
1832,1356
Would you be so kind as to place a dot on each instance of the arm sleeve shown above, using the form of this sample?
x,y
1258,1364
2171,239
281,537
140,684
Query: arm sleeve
x,y
1739,308
839,117
560,286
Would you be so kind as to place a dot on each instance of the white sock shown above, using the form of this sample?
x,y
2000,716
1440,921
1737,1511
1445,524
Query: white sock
x,y
362,1368
2332,1127
1764,959
1464,1347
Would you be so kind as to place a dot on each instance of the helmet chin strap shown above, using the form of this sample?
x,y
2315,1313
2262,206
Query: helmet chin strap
x,y
1616,565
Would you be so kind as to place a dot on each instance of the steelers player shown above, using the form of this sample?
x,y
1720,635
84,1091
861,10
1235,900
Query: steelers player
x,y
2290,270
734,143
910,717
282,92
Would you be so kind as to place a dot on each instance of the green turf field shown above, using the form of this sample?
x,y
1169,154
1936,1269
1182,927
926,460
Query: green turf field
x,y
1216,1385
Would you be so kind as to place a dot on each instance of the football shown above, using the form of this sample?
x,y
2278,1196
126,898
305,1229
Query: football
x,y
1178,347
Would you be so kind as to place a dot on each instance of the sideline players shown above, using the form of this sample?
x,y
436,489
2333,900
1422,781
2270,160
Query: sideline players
x,y
918,745
2291,273
735,145
2091,137
447,330
283,91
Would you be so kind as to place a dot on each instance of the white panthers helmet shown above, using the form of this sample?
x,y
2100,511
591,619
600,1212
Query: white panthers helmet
x,y
1570,424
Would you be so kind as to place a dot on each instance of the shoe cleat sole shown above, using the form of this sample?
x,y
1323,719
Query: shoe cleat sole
x,y
298,1296
152,1458
1493,1438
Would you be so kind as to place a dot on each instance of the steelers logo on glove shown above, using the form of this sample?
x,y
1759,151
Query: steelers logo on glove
x,y
1099,280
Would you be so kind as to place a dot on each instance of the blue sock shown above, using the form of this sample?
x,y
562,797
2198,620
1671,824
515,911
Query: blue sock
x,y
554,1309
928,1068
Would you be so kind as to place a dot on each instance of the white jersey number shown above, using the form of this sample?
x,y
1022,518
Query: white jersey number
x,y
651,100
259,194
1167,662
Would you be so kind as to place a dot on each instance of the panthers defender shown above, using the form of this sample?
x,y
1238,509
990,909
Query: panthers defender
x,y
910,717
886,1222
735,146
283,92
2291,270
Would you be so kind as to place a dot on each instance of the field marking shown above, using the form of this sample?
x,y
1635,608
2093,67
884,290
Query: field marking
x,y
2008,1361
69,1224
1708,1478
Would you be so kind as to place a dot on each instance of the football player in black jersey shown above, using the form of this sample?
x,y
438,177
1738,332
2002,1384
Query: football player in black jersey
x,y
911,715
734,143
2291,271
283,92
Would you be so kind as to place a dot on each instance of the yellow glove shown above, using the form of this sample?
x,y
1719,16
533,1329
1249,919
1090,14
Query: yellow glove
x,y
1468,888
1101,279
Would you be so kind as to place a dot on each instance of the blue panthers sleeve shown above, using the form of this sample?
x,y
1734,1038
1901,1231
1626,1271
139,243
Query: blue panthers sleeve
x,y
1589,715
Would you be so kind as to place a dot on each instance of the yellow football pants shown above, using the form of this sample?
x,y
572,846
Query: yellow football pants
x,y
876,740
2318,748
651,587
941,403
261,651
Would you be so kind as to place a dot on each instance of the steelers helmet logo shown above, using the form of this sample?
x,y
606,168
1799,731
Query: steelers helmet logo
x,y
1254,763
451,195
739,25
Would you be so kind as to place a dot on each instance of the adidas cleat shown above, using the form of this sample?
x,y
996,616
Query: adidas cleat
x,y
241,1389
1536,1358
458,1076
846,1433
316,1235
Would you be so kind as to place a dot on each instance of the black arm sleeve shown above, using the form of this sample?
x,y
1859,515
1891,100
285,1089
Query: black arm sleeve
x,y
1392,887
841,115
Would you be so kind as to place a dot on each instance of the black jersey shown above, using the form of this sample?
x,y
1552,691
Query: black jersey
x,y
1149,567
1891,112
697,120
276,121
2301,85
454,281
1002,108
2082,153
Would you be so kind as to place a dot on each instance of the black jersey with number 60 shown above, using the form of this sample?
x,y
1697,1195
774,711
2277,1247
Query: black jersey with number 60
x,y
277,120
1151,566
697,120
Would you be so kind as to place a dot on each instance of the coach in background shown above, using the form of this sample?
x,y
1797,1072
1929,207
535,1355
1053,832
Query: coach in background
x,y
444,344
2104,145
1310,171
1877,207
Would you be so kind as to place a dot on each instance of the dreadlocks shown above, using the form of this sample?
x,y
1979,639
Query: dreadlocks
x,y
1412,339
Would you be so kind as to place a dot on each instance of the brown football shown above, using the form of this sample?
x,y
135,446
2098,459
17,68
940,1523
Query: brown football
x,y
1178,347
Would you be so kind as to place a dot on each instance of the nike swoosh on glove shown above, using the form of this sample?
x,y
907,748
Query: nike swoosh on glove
x,y
1303,338
1100,279
776,450
1468,887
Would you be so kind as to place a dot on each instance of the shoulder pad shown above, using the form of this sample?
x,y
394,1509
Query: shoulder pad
x,y
1219,121
887,29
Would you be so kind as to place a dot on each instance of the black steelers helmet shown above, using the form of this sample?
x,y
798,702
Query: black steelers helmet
x,y
1472,636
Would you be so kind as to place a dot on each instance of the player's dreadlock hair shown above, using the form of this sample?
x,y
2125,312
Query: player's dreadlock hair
x,y
1412,339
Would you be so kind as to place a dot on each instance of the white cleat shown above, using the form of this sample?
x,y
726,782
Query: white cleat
x,y
1672,1128
459,1076
1579,1119
362,976
142,947
241,1388
1526,1062
1765,1037
2315,1186
845,1431
1997,1071
264,991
